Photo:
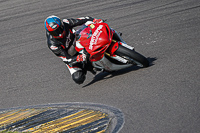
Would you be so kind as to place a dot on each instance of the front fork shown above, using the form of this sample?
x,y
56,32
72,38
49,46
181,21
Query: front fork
x,y
113,47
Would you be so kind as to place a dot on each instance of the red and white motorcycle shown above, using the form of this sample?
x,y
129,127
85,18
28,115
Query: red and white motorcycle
x,y
107,51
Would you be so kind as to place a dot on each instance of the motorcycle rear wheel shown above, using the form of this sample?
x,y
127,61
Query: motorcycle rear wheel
x,y
133,56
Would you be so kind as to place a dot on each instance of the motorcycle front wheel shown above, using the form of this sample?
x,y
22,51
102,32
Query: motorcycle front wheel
x,y
133,56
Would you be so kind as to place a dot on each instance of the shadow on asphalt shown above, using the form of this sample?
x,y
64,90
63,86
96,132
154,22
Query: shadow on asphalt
x,y
104,75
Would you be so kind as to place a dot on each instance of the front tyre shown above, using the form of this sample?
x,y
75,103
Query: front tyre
x,y
132,56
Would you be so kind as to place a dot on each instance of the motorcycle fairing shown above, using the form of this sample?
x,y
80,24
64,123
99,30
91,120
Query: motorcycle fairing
x,y
113,47
95,38
105,64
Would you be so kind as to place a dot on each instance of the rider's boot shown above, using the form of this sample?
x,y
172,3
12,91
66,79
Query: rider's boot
x,y
93,71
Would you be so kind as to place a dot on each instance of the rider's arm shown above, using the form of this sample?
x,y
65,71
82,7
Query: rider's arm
x,y
79,21
57,48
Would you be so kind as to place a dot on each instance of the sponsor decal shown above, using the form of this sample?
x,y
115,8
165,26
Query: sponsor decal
x,y
54,47
66,21
92,26
95,36
127,46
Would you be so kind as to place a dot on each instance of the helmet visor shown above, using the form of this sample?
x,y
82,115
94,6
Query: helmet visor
x,y
58,31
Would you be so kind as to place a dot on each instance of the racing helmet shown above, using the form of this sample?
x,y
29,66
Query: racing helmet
x,y
54,26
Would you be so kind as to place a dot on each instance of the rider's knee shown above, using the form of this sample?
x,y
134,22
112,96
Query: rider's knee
x,y
79,77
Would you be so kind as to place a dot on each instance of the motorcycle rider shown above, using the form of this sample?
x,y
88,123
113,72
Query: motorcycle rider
x,y
61,40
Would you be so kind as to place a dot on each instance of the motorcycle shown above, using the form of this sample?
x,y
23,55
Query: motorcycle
x,y
107,51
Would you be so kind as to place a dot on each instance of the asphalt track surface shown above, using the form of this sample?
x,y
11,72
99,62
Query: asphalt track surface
x,y
164,97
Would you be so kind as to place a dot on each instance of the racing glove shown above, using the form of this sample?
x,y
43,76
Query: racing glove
x,y
97,21
81,58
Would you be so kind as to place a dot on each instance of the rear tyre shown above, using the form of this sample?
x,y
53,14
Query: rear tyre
x,y
133,56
